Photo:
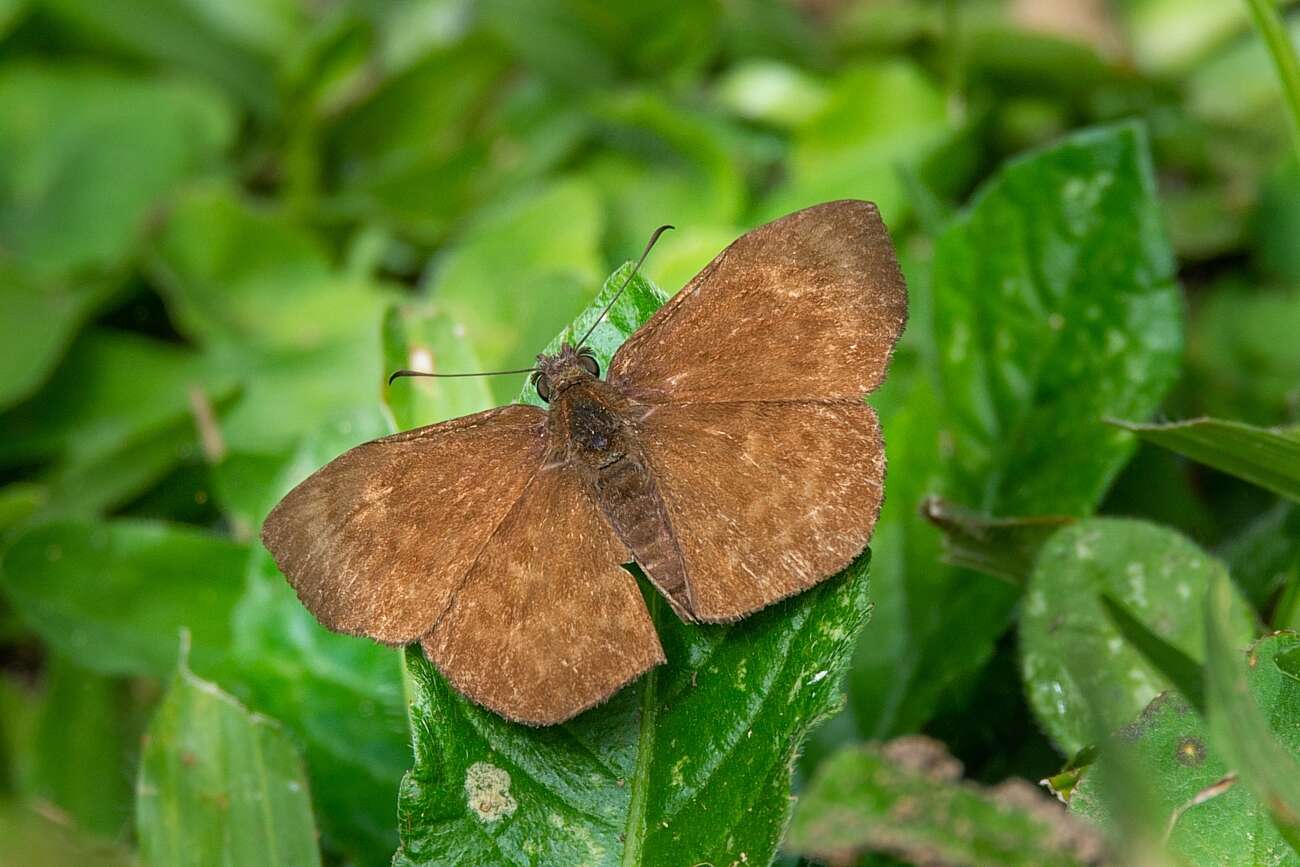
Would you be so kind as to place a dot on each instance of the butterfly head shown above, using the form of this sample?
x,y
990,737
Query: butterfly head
x,y
555,373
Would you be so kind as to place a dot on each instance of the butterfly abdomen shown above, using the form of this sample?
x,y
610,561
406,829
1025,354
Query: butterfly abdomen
x,y
626,494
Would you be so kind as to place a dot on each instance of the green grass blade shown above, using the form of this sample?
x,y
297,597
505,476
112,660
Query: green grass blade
x,y
1268,457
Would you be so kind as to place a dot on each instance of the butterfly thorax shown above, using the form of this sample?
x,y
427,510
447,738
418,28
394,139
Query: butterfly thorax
x,y
587,424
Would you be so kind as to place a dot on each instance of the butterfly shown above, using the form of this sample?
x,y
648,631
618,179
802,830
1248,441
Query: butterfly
x,y
728,451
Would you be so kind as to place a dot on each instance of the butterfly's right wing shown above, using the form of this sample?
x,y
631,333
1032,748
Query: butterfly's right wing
x,y
376,542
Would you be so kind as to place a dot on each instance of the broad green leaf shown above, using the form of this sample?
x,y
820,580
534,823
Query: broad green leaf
x,y
340,696
581,45
771,92
689,764
260,294
114,596
29,835
244,487
876,116
82,748
112,389
521,272
1208,813
39,323
1170,36
1177,667
480,139
11,12
1265,554
220,785
1002,547
426,339
1240,723
90,484
1080,674
381,139
1053,305
237,274
1240,359
1269,457
1276,225
86,153
1021,59
1238,86
906,798
232,44
667,163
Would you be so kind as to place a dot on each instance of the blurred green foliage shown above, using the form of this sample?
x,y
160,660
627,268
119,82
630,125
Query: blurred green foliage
x,y
222,225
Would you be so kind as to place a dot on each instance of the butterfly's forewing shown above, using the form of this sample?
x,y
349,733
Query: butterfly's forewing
x,y
547,623
806,307
377,541
770,465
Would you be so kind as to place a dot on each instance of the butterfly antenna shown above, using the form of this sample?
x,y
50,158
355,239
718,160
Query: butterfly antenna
x,y
402,373
637,267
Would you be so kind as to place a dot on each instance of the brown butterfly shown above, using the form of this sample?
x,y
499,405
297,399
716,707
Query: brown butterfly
x,y
728,451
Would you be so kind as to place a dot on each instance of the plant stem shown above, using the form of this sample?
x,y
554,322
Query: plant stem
x,y
955,61
1269,23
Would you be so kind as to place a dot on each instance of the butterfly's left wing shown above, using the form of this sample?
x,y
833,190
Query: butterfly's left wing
x,y
547,622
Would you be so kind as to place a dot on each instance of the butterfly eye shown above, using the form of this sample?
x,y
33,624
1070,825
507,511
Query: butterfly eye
x,y
589,364
543,387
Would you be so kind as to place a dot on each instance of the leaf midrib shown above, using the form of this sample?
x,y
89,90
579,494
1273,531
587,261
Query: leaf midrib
x,y
639,796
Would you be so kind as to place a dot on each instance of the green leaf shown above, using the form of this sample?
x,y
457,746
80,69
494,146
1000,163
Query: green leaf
x,y
1276,224
76,186
581,45
341,697
1241,725
232,44
876,116
521,272
220,785
82,747
689,764
1080,675
667,163
260,294
112,390
1053,304
1269,457
426,339
1242,363
39,323
1203,808
31,836
906,798
114,596
772,92
1265,554
236,274
422,169
480,138
1002,547
1177,667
